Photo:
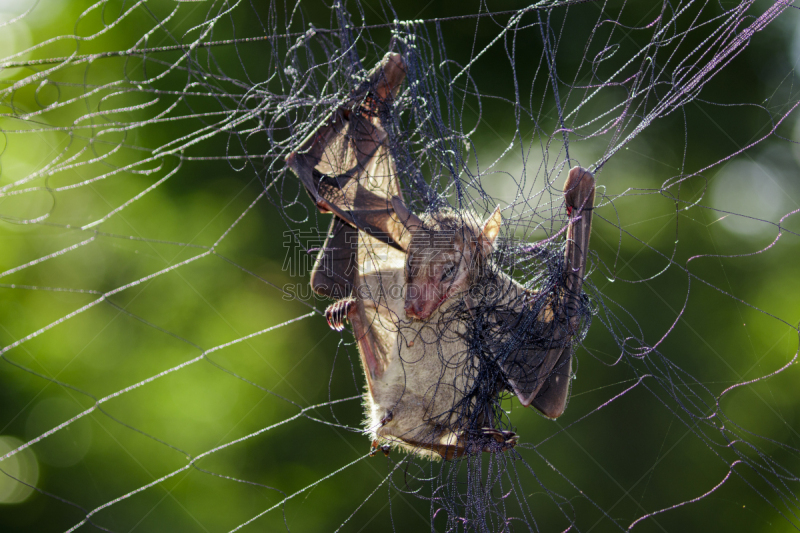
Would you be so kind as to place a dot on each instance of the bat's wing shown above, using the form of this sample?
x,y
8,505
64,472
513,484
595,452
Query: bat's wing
x,y
379,304
345,165
538,358
336,265
539,364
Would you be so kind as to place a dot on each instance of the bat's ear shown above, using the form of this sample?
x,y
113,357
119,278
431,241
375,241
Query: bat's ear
x,y
490,230
409,220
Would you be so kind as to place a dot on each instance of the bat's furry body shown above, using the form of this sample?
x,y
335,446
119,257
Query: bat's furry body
x,y
416,371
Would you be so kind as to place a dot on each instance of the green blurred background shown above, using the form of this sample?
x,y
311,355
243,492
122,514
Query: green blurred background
x,y
734,320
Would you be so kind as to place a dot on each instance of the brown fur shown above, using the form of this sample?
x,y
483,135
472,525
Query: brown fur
x,y
410,403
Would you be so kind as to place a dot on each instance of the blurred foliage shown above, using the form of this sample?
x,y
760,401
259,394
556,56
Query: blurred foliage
x,y
629,457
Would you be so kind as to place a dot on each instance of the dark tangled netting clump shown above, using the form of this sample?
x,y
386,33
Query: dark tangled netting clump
x,y
621,76
497,332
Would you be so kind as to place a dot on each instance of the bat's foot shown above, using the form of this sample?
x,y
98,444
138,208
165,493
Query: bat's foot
x,y
337,313
373,450
497,440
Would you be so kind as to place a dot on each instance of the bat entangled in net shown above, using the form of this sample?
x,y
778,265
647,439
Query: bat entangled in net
x,y
165,275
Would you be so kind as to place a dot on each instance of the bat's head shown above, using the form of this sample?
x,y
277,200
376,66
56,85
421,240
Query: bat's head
x,y
445,255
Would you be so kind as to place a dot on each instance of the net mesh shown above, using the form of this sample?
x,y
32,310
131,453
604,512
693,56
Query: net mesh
x,y
166,365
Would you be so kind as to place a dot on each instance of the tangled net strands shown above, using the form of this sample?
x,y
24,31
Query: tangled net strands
x,y
149,329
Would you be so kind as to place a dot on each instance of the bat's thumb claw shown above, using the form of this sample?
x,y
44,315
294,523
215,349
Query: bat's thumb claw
x,y
497,440
336,313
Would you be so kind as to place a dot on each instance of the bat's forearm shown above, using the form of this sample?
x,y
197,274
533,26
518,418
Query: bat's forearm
x,y
579,191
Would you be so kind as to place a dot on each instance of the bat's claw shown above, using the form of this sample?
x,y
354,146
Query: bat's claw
x,y
491,440
385,448
337,313
498,440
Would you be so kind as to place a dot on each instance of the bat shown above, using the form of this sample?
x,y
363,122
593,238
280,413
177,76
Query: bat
x,y
412,368
415,359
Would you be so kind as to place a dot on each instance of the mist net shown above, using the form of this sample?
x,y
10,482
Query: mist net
x,y
166,365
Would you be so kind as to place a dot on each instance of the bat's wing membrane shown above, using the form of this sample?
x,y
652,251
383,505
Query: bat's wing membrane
x,y
345,165
537,358
539,364
334,270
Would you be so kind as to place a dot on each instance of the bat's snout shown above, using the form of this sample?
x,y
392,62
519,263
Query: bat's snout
x,y
422,299
414,310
